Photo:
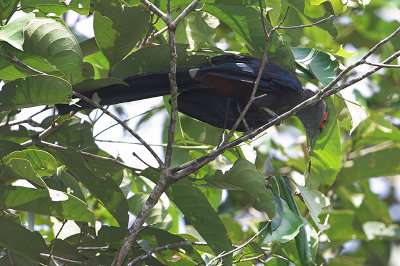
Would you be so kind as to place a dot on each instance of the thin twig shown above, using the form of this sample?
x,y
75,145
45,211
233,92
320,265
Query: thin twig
x,y
124,125
62,259
28,121
306,26
168,246
15,60
45,133
95,156
381,65
53,243
237,248
10,258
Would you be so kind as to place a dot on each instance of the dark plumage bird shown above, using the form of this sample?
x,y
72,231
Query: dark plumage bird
x,y
217,93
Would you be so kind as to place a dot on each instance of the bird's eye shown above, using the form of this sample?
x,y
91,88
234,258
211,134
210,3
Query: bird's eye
x,y
324,120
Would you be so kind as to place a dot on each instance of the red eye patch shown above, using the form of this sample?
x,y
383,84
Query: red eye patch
x,y
324,120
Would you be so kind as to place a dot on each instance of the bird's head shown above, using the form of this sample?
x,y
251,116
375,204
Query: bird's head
x,y
314,118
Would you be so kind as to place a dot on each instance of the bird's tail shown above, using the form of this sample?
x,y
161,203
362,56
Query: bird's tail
x,y
140,87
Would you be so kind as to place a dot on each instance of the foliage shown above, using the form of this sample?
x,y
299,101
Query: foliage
x,y
76,197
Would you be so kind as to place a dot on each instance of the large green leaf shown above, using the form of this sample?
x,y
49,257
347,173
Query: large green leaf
x,y
288,228
34,91
101,185
42,162
20,240
244,176
45,202
326,156
12,32
379,162
118,29
52,40
198,211
57,7
18,168
318,62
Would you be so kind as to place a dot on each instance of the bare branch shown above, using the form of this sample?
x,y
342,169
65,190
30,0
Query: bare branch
x,y
168,246
124,125
28,121
54,241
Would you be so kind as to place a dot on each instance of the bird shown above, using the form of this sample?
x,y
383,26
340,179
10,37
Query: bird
x,y
217,93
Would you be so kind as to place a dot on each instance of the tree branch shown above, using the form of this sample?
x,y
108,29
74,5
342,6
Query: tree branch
x,y
168,246
124,125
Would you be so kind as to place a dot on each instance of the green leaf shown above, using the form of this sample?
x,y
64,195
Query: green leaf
x,y
158,217
326,156
52,40
338,6
378,162
57,7
318,62
244,176
245,22
288,228
20,240
45,202
7,8
156,238
91,85
12,33
101,185
315,202
16,168
378,230
275,11
42,162
342,226
198,211
7,147
11,71
113,27
34,91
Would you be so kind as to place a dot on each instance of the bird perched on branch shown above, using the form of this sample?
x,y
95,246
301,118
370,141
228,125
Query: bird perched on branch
x,y
216,94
